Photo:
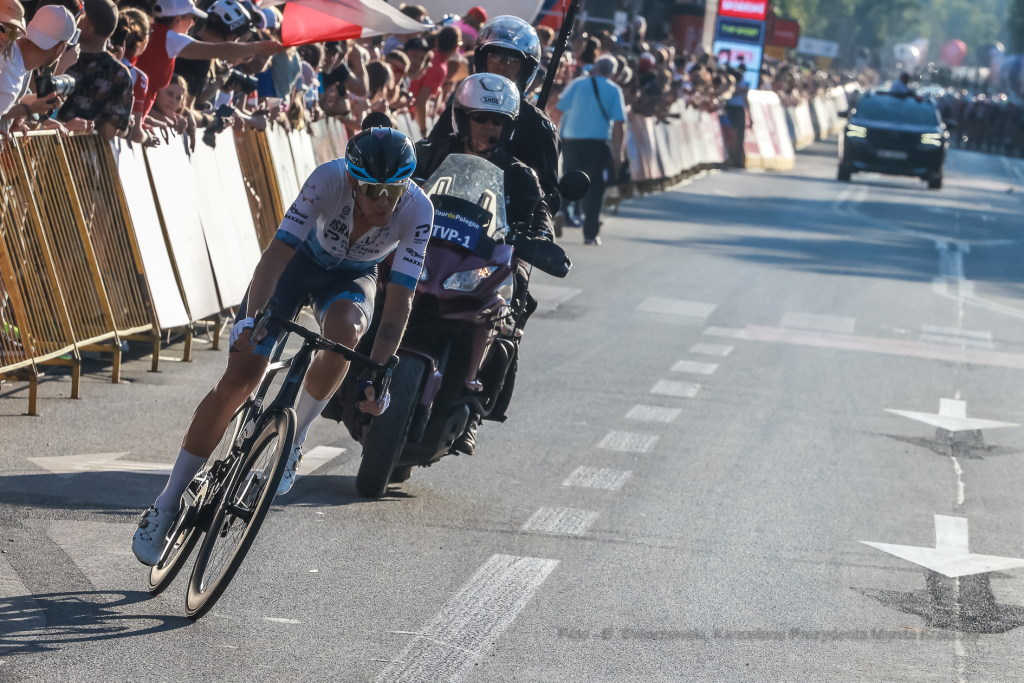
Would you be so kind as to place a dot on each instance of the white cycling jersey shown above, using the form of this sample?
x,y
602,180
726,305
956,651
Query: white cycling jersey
x,y
326,203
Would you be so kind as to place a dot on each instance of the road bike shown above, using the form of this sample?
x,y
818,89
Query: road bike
x,y
227,501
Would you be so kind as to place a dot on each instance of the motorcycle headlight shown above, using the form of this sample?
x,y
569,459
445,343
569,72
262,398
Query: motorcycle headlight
x,y
424,275
933,139
505,289
853,131
468,280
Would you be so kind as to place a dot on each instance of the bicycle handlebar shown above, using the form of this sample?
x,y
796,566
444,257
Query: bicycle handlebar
x,y
267,315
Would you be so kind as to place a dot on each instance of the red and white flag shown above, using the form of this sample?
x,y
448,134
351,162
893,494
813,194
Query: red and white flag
x,y
315,21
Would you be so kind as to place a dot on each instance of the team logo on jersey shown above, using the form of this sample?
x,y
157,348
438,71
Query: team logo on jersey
x,y
345,210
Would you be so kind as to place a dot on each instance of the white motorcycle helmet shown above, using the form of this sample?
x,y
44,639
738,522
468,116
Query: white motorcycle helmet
x,y
509,34
485,93
229,18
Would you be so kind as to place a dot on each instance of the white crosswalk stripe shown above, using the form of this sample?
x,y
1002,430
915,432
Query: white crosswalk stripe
x,y
628,442
652,413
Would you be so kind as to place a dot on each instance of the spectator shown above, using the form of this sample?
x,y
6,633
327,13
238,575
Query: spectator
x,y
103,85
546,36
170,101
590,111
397,40
901,86
51,30
419,56
423,89
227,21
470,25
173,20
12,25
736,112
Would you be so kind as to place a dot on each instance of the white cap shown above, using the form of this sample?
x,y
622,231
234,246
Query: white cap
x,y
176,8
51,25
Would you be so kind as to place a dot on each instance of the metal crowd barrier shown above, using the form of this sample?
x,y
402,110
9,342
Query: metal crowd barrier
x,y
102,243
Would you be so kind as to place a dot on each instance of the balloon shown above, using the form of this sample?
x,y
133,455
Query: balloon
x,y
953,52
907,54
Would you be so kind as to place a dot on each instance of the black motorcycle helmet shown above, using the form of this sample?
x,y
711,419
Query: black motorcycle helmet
x,y
510,35
380,155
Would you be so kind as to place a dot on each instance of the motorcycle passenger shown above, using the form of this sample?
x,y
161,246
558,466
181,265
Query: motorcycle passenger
x,y
350,214
485,109
508,46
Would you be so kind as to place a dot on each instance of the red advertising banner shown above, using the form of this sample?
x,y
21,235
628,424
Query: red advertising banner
x,y
744,9
784,33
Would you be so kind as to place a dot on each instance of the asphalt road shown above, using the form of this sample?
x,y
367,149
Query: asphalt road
x,y
722,368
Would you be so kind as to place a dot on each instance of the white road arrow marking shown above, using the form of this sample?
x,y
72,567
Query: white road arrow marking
x,y
950,556
316,458
952,417
67,465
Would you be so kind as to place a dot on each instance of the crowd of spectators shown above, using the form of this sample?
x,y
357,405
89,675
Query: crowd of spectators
x,y
144,68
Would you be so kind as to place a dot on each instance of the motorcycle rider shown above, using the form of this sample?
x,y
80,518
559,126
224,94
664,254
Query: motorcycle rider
x,y
349,216
508,46
485,108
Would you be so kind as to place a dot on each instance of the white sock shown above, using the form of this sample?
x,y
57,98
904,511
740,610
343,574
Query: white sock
x,y
185,467
307,409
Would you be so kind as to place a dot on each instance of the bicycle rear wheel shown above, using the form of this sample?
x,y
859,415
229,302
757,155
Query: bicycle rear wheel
x,y
240,511
183,535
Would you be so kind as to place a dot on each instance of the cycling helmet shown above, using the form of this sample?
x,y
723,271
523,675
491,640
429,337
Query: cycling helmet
x,y
485,92
380,155
229,18
509,34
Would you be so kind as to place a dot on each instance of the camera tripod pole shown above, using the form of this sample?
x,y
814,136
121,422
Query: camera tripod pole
x,y
556,56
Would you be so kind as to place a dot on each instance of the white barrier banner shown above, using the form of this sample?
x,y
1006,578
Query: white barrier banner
x,y
304,156
226,217
171,173
166,298
284,165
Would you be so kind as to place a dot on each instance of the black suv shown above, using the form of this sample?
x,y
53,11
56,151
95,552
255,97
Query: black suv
x,y
895,134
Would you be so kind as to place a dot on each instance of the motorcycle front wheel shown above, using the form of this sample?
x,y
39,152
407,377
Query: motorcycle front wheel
x,y
388,432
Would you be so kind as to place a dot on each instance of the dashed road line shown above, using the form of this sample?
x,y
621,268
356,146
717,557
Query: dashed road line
x,y
317,458
666,387
955,336
652,413
67,465
677,309
819,323
470,622
733,332
694,367
628,442
598,478
550,297
712,349
560,521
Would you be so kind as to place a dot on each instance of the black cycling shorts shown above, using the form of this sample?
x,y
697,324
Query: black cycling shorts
x,y
304,283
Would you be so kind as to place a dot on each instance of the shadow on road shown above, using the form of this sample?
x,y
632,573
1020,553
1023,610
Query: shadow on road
x,y
42,622
965,604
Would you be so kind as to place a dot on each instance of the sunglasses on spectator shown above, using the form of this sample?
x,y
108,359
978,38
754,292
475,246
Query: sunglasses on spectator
x,y
375,190
485,116
499,59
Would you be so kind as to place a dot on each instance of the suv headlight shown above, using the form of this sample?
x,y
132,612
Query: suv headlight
x,y
468,280
933,139
853,131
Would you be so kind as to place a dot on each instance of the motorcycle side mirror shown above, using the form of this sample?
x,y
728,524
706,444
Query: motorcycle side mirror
x,y
574,185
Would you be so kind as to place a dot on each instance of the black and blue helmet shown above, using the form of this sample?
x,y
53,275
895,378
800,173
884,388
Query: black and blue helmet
x,y
380,155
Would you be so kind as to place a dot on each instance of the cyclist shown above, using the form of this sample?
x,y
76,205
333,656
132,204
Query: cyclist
x,y
349,215
508,46
485,108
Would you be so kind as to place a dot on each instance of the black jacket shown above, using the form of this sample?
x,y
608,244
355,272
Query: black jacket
x,y
534,142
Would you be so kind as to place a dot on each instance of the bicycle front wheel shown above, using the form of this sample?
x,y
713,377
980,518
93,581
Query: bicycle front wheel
x,y
183,535
241,510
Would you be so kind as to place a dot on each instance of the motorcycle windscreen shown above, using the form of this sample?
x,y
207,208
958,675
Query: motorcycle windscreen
x,y
476,182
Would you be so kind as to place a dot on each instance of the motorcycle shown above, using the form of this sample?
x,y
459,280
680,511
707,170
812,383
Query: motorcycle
x,y
458,355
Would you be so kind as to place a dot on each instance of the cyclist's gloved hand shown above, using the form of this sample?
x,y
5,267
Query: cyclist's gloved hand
x,y
365,382
236,331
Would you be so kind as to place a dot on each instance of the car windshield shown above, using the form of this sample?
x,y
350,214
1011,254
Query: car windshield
x,y
896,110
